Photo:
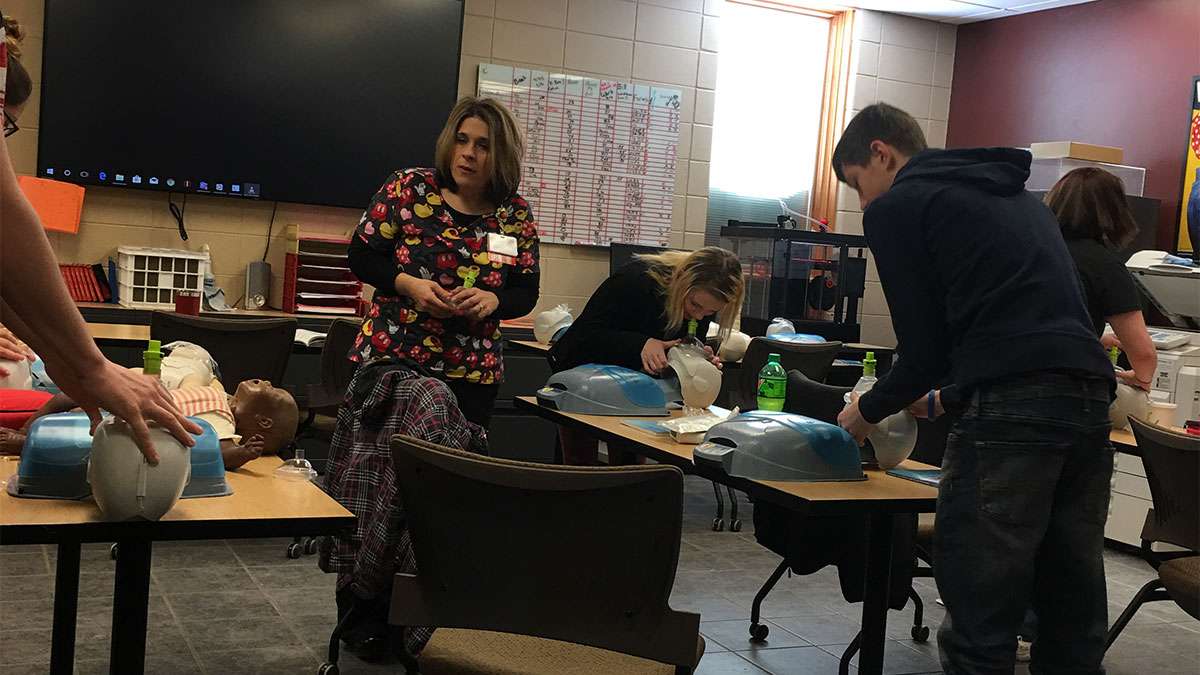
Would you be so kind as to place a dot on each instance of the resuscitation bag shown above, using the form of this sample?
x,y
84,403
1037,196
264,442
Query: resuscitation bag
x,y
124,485
548,325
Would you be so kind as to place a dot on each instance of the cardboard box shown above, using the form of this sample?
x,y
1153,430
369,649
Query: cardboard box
x,y
1076,150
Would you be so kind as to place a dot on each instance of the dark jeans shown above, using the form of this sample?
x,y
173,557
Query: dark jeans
x,y
1020,523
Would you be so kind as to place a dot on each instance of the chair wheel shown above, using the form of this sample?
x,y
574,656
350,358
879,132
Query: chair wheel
x,y
759,632
328,669
112,551
310,546
735,526
920,633
718,524
294,551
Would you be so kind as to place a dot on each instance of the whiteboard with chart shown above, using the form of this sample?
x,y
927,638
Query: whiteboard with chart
x,y
600,155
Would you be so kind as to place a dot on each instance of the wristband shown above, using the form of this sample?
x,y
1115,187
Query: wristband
x,y
930,398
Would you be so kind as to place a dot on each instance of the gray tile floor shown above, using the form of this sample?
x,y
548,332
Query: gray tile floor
x,y
242,607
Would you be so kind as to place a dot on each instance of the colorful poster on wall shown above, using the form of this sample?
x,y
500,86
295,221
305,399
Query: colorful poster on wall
x,y
1189,212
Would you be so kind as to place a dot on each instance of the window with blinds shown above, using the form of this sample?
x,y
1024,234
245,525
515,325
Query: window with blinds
x,y
770,79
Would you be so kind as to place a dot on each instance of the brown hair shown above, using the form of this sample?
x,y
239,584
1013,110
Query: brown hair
x,y
19,85
876,122
505,144
711,268
1090,203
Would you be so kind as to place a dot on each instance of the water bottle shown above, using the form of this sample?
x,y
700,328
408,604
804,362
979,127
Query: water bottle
x,y
868,378
772,385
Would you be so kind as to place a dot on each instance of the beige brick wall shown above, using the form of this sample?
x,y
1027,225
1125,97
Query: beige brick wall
x,y
669,42
908,63
905,61
664,42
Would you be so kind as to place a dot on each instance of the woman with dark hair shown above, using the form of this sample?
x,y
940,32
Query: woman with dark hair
x,y
1095,219
36,307
451,251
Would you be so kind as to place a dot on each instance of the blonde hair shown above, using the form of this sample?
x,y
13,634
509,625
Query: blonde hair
x,y
13,35
712,269
506,147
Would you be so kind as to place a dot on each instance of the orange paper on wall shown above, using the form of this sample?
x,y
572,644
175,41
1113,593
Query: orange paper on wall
x,y
58,204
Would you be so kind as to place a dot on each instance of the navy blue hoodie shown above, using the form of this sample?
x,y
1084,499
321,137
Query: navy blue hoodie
x,y
977,277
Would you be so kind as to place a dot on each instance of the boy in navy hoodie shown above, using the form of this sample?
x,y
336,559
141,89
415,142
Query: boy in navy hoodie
x,y
984,295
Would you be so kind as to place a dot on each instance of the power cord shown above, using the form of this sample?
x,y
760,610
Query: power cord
x,y
270,227
177,212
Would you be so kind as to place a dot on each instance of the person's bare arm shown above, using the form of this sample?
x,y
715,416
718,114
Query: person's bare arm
x,y
37,306
1130,328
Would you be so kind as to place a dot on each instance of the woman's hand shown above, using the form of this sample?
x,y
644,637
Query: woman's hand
x,y
474,303
1130,378
427,295
131,396
12,349
712,357
852,421
654,355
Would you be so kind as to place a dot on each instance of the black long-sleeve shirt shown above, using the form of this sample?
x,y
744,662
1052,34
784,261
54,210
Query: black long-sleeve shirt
x,y
379,269
977,277
625,311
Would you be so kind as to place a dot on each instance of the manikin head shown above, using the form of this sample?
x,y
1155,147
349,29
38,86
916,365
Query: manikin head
x,y
699,379
259,408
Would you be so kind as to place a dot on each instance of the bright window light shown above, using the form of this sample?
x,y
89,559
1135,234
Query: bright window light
x,y
770,76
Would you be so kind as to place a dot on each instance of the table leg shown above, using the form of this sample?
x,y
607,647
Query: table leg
x,y
66,602
131,602
875,599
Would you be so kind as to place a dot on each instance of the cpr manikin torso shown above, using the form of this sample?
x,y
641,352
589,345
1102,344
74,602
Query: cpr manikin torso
x,y
127,487
187,364
699,379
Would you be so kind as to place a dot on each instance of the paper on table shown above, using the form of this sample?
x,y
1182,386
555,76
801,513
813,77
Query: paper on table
x,y
59,205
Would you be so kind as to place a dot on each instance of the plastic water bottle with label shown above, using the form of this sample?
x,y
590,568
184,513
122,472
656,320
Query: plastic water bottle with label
x,y
868,378
772,385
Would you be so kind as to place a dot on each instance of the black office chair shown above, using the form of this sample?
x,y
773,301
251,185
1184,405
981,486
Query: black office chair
x,y
244,349
812,359
778,529
325,398
1172,462
336,371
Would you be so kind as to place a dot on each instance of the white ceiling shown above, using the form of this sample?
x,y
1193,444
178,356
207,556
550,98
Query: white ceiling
x,y
961,11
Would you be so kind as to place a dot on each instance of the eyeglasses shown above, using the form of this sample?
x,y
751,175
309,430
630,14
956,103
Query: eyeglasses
x,y
10,125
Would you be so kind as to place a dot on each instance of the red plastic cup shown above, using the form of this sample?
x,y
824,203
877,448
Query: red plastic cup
x,y
187,302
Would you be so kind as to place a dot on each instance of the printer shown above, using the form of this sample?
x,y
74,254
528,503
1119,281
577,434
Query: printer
x,y
1172,283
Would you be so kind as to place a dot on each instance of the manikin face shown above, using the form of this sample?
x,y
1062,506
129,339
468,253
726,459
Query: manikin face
x,y
261,409
700,303
876,177
471,164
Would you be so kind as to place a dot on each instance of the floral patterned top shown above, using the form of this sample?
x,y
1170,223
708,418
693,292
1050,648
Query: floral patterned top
x,y
409,220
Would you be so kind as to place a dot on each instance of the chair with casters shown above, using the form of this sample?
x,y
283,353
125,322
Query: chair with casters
x,y
337,370
1172,463
325,398
812,359
245,349
785,533
533,568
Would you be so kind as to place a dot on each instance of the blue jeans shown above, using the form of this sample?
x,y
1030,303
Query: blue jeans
x,y
1020,523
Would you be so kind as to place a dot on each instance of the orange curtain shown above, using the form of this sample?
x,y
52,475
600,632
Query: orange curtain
x,y
834,101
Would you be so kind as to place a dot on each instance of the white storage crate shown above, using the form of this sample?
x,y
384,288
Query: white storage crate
x,y
148,278
1044,173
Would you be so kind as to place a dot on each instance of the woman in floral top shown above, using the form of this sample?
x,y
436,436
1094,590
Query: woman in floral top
x,y
451,251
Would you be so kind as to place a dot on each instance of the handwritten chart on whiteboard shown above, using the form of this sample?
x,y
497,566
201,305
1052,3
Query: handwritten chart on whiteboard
x,y
599,163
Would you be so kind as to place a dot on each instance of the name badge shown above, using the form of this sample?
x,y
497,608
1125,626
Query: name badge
x,y
502,248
